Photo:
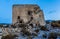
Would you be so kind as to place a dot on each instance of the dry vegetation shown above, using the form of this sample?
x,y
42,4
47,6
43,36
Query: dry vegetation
x,y
55,24
9,36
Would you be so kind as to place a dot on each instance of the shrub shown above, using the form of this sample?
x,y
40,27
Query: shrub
x,y
25,32
44,35
44,28
9,37
37,30
52,36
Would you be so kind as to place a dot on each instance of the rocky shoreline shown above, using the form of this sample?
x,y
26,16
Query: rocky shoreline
x,y
32,31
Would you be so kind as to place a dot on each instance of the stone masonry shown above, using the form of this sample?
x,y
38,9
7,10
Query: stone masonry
x,y
26,12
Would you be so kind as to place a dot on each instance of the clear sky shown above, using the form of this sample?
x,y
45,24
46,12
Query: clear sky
x,y
51,9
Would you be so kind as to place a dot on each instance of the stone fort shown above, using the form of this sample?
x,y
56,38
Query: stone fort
x,y
26,12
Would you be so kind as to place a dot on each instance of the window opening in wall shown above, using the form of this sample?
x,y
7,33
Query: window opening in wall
x,y
29,12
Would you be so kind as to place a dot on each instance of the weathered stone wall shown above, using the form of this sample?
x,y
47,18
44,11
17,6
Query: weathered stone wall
x,y
22,11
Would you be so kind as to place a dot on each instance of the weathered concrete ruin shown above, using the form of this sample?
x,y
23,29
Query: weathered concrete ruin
x,y
28,14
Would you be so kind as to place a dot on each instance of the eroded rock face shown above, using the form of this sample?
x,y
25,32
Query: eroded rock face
x,y
28,13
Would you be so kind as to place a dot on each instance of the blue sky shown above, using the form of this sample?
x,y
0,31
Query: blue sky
x,y
51,9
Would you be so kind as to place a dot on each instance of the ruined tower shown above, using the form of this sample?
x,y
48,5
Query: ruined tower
x,y
25,11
